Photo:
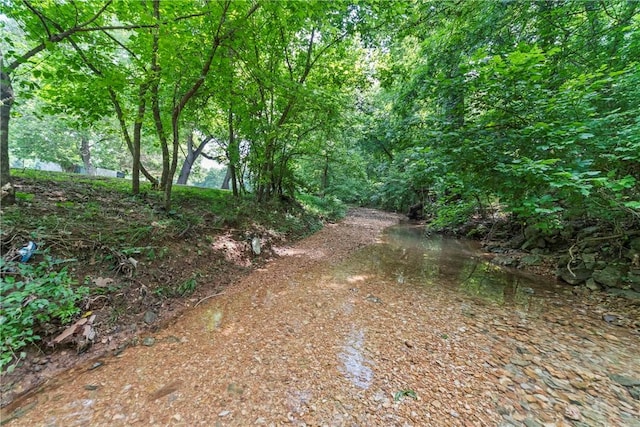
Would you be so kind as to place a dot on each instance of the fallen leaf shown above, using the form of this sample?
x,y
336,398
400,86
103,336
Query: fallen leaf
x,y
71,330
103,282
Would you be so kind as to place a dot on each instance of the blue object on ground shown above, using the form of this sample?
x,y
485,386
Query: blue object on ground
x,y
27,251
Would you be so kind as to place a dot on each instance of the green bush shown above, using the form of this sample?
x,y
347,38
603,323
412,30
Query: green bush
x,y
31,296
329,208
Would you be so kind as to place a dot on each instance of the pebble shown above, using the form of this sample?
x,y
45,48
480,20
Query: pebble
x,y
572,412
148,341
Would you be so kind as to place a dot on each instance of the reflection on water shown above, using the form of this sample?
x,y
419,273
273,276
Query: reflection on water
x,y
407,257
354,364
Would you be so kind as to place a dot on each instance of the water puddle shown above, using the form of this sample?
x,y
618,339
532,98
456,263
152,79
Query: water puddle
x,y
354,366
406,257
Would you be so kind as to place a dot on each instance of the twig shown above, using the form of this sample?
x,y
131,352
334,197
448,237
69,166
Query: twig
x,y
206,298
571,260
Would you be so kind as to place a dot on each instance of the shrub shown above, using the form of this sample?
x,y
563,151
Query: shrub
x,y
31,296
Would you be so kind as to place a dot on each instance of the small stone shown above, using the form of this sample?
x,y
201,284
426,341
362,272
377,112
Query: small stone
x,y
177,417
541,397
436,404
148,341
96,365
224,413
91,387
519,417
530,422
572,412
624,380
454,414
150,317
580,385
520,362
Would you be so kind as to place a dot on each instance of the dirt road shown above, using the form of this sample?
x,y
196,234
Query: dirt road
x,y
312,340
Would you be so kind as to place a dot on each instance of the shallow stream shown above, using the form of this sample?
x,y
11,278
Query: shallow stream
x,y
411,330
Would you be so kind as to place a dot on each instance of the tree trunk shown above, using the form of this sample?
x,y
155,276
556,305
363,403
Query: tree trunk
x,y
233,153
6,101
127,137
225,181
85,154
185,171
192,155
325,176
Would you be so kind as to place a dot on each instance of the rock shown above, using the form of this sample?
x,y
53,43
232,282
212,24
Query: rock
x,y
580,275
625,293
531,231
530,422
530,260
520,362
150,317
255,245
373,298
634,279
516,241
588,231
592,285
589,260
534,242
148,341
634,392
611,276
612,318
624,380
504,260
572,412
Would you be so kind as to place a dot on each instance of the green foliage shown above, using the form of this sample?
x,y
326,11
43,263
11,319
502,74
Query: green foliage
x,y
32,296
328,208
184,289
493,105
401,394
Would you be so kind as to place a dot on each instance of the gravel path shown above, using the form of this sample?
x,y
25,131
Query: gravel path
x,y
312,339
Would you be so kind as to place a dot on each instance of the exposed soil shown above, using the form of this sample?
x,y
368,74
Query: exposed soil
x,y
318,338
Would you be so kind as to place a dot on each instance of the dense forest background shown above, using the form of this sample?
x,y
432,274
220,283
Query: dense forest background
x,y
460,106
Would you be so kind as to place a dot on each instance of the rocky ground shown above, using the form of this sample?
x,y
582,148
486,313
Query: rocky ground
x,y
581,253
317,337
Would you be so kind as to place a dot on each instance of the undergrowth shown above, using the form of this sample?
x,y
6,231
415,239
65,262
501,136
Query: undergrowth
x,y
32,296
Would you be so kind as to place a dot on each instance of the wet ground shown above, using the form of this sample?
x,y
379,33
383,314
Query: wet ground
x,y
358,327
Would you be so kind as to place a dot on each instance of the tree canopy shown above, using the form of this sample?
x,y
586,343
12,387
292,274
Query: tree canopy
x,y
532,106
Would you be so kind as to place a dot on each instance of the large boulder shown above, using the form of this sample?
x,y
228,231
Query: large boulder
x,y
576,276
611,276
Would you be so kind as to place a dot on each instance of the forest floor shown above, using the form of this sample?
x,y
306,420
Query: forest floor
x,y
317,337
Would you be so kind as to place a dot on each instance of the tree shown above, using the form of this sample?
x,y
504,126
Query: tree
x,y
44,27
